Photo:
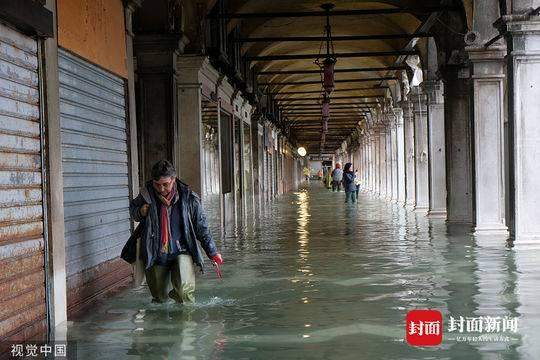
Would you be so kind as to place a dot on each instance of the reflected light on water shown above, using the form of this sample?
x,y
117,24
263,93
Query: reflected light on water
x,y
303,217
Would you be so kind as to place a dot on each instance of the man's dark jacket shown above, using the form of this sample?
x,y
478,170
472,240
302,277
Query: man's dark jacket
x,y
149,230
348,181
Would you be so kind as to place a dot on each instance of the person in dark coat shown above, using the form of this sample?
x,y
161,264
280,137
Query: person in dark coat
x,y
173,225
348,183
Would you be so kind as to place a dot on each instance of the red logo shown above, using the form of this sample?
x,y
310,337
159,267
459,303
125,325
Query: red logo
x,y
424,327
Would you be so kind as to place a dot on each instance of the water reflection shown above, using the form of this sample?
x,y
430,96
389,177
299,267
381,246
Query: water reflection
x,y
302,230
316,278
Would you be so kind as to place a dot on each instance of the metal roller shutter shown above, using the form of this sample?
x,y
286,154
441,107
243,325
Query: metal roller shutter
x,y
22,278
95,163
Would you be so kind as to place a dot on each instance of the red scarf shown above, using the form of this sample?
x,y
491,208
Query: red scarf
x,y
164,218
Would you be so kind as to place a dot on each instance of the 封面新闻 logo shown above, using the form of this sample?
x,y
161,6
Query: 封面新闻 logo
x,y
424,327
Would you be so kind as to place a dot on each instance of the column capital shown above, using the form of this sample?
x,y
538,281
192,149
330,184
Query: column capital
x,y
391,120
398,113
522,31
480,53
487,63
132,5
434,91
406,106
379,129
419,102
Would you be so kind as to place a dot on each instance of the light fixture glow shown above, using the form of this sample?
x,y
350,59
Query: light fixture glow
x,y
302,151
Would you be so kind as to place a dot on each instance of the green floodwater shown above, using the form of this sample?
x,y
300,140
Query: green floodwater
x,y
314,278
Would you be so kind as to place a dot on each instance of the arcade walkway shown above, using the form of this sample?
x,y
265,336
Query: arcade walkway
x,y
315,278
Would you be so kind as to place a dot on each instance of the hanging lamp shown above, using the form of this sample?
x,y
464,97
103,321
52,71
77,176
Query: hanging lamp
x,y
328,63
325,112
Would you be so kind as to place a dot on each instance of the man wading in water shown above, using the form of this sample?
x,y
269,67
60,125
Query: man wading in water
x,y
173,220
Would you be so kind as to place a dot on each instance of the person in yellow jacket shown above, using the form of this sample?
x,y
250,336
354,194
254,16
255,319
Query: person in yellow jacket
x,y
306,172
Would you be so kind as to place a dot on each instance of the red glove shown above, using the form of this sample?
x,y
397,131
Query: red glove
x,y
217,259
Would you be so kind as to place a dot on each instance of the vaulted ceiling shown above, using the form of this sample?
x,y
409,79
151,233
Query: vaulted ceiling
x,y
382,38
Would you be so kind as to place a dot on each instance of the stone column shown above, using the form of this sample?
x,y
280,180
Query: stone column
x,y
437,154
388,159
367,175
365,163
377,161
55,182
361,159
489,114
419,102
458,145
157,98
189,151
394,150
371,145
410,157
195,71
400,154
382,162
130,6
522,32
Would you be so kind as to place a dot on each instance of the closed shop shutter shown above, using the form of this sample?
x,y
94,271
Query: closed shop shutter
x,y
22,277
95,167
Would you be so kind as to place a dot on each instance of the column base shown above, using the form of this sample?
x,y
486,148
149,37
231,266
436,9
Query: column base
x,y
527,243
491,240
410,206
496,230
436,214
421,209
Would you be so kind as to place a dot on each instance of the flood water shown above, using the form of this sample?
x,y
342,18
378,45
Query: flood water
x,y
315,278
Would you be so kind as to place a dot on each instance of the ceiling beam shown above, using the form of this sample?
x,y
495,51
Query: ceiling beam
x,y
417,10
327,139
333,98
335,124
356,110
350,112
332,121
309,134
316,130
313,136
318,109
335,103
362,109
334,38
335,111
343,105
336,81
336,55
348,70
335,90
318,127
319,118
